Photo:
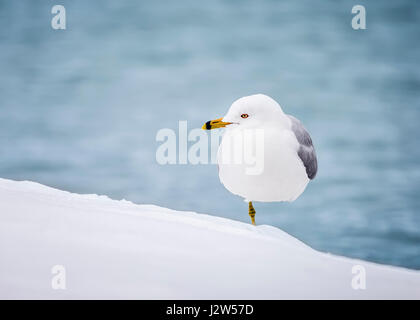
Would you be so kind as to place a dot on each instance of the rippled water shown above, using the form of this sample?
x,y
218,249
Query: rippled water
x,y
80,108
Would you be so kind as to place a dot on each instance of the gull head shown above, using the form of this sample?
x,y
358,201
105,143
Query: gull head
x,y
249,112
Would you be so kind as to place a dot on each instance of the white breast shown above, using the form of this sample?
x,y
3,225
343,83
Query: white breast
x,y
283,175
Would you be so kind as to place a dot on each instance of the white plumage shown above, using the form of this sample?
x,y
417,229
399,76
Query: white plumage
x,y
288,161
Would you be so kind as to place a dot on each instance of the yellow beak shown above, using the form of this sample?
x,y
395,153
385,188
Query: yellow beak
x,y
214,124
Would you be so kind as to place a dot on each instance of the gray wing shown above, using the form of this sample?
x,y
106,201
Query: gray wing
x,y
306,150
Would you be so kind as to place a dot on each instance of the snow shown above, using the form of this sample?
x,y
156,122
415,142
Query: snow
x,y
117,249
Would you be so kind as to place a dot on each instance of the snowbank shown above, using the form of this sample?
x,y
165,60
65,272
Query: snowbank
x,y
116,249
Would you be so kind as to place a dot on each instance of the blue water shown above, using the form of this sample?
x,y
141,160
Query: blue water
x,y
80,108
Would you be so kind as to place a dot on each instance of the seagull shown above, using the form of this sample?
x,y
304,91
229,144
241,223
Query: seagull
x,y
288,161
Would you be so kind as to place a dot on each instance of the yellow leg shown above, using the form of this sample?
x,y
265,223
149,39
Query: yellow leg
x,y
251,212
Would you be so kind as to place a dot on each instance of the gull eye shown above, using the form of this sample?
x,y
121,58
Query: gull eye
x,y
244,115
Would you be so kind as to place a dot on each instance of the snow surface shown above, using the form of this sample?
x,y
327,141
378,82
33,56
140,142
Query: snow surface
x,y
117,249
